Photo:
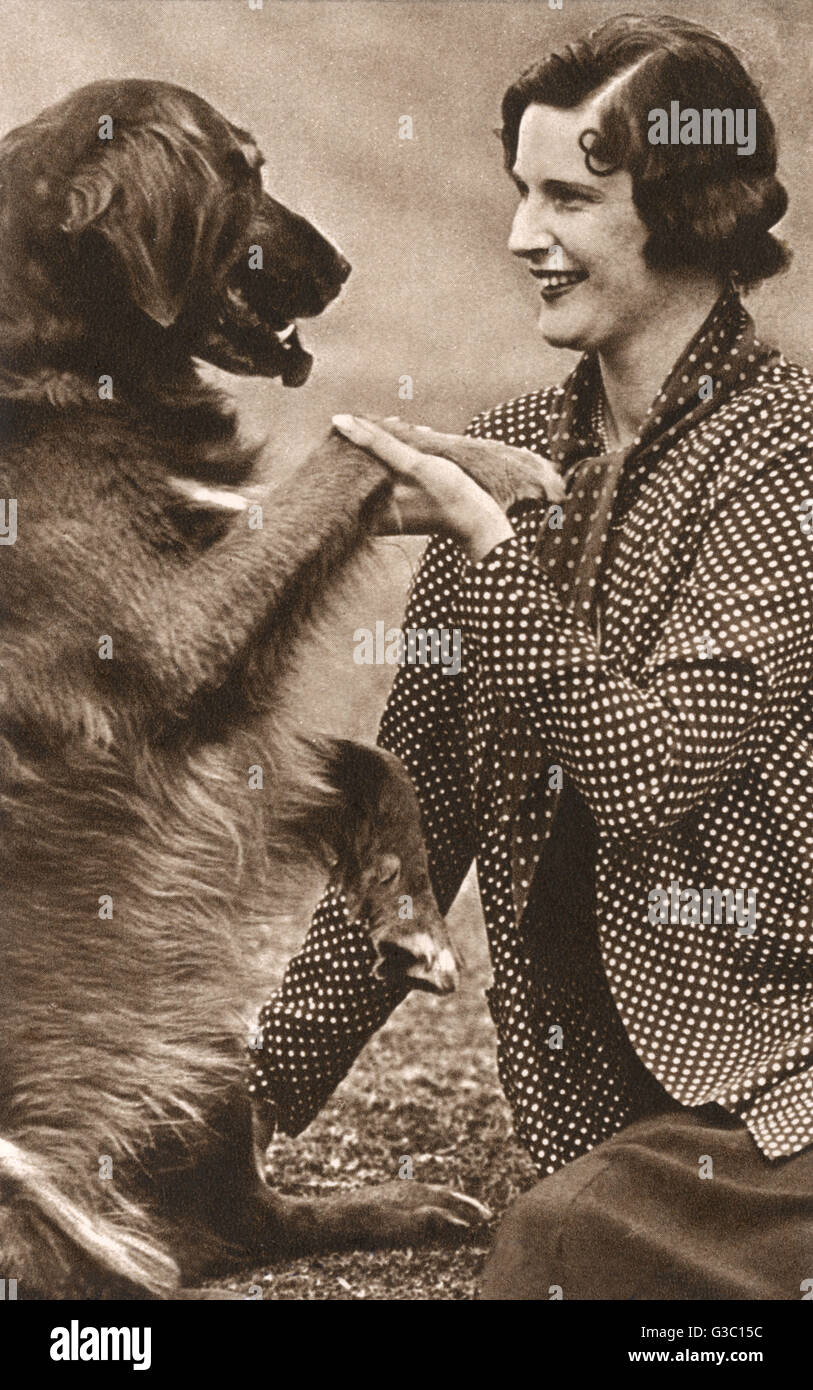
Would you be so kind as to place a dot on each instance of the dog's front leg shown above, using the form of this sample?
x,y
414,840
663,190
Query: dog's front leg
x,y
252,592
395,1214
221,1212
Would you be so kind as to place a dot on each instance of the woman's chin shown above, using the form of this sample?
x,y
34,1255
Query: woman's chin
x,y
561,336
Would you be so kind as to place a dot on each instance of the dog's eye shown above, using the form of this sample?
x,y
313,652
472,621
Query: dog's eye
x,y
389,869
240,168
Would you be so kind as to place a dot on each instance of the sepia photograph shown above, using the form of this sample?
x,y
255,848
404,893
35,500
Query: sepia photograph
x,y
406,665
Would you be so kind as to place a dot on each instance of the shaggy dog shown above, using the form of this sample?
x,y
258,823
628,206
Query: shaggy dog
x,y
156,586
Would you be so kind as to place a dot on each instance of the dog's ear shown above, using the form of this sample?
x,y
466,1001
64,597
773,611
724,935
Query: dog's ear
x,y
155,197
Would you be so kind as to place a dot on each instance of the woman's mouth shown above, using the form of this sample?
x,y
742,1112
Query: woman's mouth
x,y
555,283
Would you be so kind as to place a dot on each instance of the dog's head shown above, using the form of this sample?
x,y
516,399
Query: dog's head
x,y
374,836
133,209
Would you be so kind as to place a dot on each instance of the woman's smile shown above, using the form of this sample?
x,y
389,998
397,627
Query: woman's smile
x,y
553,284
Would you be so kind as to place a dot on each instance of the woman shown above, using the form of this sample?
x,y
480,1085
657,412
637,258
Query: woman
x,y
627,750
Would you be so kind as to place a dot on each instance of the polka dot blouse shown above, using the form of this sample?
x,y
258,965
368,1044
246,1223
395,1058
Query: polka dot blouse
x,y
640,805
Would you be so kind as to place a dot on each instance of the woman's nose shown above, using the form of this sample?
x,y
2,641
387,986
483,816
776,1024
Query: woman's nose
x,y
529,232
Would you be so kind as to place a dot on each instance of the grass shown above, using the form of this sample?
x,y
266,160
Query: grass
x,y
426,1086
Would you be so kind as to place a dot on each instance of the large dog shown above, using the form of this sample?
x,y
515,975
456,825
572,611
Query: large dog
x,y
155,584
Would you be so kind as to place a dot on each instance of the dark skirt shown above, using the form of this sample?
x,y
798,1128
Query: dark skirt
x,y
636,1218
680,1205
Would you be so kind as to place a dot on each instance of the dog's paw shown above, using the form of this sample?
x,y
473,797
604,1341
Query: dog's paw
x,y
506,473
423,1213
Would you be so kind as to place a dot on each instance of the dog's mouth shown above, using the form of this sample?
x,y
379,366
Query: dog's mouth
x,y
241,341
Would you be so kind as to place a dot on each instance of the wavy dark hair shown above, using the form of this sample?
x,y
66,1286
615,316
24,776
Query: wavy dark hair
x,y
706,206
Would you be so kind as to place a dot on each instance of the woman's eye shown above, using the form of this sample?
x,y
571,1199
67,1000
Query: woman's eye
x,y
567,204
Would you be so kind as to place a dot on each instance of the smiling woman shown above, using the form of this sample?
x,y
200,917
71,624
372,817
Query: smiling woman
x,y
632,710
588,755
620,233
602,285
703,207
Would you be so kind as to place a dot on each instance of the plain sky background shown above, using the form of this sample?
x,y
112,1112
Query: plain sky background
x,y
434,292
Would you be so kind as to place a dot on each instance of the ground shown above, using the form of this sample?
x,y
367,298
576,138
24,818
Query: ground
x,y
425,1087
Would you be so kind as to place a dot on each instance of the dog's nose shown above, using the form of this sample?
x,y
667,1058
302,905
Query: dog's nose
x,y
434,970
343,266
416,956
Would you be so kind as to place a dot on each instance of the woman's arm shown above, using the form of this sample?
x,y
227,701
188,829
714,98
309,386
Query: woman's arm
x,y
738,639
330,1003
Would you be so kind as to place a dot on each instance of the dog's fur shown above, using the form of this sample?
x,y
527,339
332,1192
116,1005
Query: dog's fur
x,y
146,631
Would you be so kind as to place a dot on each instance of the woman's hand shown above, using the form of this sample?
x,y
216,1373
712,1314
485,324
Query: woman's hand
x,y
433,493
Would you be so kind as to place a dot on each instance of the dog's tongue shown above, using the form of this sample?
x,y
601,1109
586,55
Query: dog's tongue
x,y
296,361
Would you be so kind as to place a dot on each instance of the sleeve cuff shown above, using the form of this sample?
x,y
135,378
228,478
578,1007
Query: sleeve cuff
x,y
523,630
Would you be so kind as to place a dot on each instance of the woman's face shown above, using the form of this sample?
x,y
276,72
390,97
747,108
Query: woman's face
x,y
581,237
